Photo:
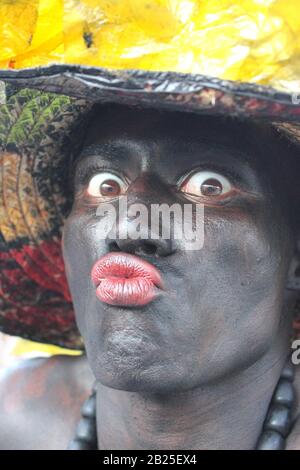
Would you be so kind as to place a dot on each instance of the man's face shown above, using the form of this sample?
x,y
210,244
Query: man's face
x,y
220,306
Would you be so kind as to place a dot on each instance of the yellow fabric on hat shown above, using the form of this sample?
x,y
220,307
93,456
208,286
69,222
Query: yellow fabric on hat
x,y
250,40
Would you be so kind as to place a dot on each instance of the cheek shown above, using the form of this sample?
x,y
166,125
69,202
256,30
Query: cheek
x,y
80,250
233,302
246,248
83,239
245,263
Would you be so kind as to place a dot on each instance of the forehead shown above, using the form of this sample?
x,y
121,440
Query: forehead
x,y
173,142
111,122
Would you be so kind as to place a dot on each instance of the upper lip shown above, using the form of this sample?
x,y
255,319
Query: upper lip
x,y
125,279
124,265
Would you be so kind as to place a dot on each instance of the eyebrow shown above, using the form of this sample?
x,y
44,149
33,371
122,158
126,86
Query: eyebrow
x,y
103,154
100,149
116,149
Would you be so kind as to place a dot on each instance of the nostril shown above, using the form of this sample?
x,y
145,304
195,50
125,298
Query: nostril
x,y
113,246
146,248
140,247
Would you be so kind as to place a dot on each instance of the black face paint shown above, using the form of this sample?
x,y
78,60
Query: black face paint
x,y
221,306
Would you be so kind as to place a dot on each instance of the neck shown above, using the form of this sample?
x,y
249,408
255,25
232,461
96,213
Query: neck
x,y
226,415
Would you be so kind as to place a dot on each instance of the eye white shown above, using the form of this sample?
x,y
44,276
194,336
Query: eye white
x,y
206,183
106,185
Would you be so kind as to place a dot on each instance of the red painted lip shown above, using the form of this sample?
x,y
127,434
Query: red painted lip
x,y
126,280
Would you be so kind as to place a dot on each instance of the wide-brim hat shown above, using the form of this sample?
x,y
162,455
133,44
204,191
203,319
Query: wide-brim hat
x,y
59,63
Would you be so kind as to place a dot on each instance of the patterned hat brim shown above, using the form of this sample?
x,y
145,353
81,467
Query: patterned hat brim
x,y
35,147
169,90
38,113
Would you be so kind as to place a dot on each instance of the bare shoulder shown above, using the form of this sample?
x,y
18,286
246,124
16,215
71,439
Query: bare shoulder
x,y
293,441
40,401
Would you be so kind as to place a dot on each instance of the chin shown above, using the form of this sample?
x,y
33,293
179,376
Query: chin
x,y
133,374
131,382
123,360
142,381
133,366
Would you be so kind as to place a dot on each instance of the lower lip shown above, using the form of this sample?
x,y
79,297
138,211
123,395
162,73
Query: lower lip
x,y
125,280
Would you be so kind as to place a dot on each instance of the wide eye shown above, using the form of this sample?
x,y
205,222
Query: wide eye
x,y
207,184
106,185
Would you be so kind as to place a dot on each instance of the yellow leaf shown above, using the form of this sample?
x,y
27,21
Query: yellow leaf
x,y
250,40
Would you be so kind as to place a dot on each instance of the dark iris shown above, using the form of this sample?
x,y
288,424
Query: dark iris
x,y
211,187
110,188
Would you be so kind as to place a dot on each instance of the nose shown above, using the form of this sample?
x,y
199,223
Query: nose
x,y
148,239
142,247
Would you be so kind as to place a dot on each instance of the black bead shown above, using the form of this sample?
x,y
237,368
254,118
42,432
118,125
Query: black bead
x,y
284,393
278,419
86,430
270,440
76,444
88,409
288,372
